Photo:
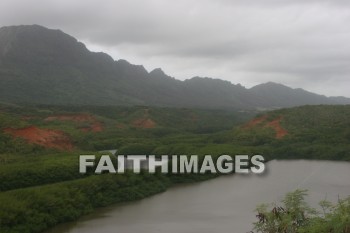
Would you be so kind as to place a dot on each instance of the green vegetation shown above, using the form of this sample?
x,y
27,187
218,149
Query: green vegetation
x,y
41,186
294,215
37,208
313,132
122,127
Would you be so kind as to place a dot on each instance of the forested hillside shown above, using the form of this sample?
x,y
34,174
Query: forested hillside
x,y
44,66
312,132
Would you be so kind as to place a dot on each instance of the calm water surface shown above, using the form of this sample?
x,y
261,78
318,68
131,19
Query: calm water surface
x,y
221,205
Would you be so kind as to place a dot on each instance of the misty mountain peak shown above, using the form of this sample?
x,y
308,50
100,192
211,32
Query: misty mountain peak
x,y
34,42
35,34
270,85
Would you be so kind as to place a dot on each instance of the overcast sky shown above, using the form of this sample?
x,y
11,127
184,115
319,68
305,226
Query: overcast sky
x,y
299,43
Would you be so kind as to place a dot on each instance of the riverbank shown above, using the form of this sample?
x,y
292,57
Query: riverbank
x,y
221,205
35,209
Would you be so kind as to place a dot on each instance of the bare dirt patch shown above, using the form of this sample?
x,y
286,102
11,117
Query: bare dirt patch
x,y
275,125
255,122
262,122
44,137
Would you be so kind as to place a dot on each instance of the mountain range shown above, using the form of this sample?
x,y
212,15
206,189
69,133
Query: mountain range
x,y
44,66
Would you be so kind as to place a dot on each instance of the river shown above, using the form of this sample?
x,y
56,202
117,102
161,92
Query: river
x,y
222,205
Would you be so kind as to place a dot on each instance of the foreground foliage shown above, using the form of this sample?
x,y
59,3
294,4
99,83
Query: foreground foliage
x,y
294,215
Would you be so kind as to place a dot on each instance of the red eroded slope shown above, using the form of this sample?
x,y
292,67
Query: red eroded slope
x,y
44,137
275,125
255,122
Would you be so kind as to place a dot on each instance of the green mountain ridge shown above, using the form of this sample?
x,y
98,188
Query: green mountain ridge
x,y
45,66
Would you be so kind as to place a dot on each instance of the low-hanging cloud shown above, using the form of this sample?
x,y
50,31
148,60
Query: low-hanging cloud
x,y
301,43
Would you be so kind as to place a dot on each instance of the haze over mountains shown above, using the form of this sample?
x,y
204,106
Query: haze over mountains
x,y
44,66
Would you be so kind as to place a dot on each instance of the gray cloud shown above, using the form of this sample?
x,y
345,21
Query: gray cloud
x,y
301,43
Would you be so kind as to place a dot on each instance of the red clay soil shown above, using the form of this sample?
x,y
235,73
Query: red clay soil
x,y
44,137
275,125
144,123
254,122
94,127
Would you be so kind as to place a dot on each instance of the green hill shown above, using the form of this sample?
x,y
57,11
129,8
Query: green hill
x,y
36,129
308,132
